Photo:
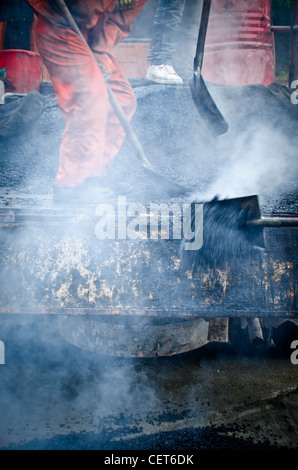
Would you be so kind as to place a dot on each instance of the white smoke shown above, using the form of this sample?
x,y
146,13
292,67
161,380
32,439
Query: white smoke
x,y
261,162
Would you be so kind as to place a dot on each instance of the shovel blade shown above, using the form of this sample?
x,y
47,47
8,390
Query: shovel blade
x,y
239,211
207,107
227,240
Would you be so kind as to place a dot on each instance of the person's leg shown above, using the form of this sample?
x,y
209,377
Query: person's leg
x,y
165,31
102,39
89,142
83,100
187,40
164,42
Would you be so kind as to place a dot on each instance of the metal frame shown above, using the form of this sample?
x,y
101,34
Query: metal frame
x,y
292,30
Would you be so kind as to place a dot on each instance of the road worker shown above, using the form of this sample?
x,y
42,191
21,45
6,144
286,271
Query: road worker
x,y
93,134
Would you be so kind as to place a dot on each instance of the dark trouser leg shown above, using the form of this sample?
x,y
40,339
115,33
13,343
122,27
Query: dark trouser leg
x,y
164,37
187,39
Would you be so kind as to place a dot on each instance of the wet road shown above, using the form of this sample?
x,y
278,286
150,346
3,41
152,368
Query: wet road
x,y
55,396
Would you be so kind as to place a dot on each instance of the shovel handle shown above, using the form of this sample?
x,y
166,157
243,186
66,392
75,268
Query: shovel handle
x,y
69,18
274,222
198,61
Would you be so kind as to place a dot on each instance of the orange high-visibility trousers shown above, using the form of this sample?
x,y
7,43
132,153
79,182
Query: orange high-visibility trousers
x,y
93,134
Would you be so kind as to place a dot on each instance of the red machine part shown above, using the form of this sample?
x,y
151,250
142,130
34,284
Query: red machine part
x,y
239,46
23,70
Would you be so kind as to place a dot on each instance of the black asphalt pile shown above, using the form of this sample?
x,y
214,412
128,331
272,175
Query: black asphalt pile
x,y
256,156
29,148
19,114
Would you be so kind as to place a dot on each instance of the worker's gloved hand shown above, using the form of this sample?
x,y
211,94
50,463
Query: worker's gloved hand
x,y
106,74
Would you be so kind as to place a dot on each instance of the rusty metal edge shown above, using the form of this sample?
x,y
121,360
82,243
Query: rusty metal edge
x,y
169,314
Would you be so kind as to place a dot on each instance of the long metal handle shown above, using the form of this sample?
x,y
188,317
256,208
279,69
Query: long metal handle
x,y
198,61
114,102
274,222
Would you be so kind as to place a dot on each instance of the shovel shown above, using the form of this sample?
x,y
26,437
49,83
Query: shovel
x,y
232,230
245,214
201,96
172,188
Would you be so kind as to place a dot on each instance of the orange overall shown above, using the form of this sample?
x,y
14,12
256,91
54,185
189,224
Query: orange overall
x,y
93,134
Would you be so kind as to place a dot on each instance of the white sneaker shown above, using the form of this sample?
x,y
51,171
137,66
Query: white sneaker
x,y
163,74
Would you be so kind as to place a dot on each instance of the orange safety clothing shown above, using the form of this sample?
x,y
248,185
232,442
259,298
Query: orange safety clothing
x,y
93,134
